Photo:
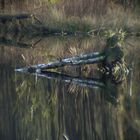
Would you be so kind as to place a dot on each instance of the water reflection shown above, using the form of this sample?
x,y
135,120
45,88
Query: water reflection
x,y
34,107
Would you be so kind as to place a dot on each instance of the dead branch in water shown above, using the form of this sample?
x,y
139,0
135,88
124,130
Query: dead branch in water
x,y
77,60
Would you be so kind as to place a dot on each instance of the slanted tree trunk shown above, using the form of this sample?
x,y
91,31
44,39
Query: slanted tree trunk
x,y
91,58
77,60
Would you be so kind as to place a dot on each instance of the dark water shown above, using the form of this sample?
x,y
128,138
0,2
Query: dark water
x,y
41,108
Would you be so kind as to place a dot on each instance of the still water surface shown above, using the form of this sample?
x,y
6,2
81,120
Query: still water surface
x,y
40,108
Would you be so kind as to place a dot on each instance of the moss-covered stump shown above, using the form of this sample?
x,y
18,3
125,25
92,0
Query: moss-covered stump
x,y
114,64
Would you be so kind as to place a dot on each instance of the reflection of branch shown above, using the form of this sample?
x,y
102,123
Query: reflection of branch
x,y
84,82
34,44
9,17
8,42
37,19
80,81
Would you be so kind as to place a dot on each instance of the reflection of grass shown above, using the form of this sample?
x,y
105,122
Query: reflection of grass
x,y
47,105
35,101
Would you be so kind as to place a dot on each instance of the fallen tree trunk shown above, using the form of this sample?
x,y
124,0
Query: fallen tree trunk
x,y
77,60
111,60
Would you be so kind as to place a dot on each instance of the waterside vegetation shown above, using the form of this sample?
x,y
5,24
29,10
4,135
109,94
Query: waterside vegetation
x,y
72,18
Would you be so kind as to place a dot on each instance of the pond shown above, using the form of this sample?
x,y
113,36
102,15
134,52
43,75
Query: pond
x,y
34,107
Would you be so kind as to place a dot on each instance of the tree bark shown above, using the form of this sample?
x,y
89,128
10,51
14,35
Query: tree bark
x,y
91,58
77,60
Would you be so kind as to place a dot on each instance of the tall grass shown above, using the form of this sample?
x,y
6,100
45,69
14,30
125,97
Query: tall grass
x,y
82,15
71,7
114,17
